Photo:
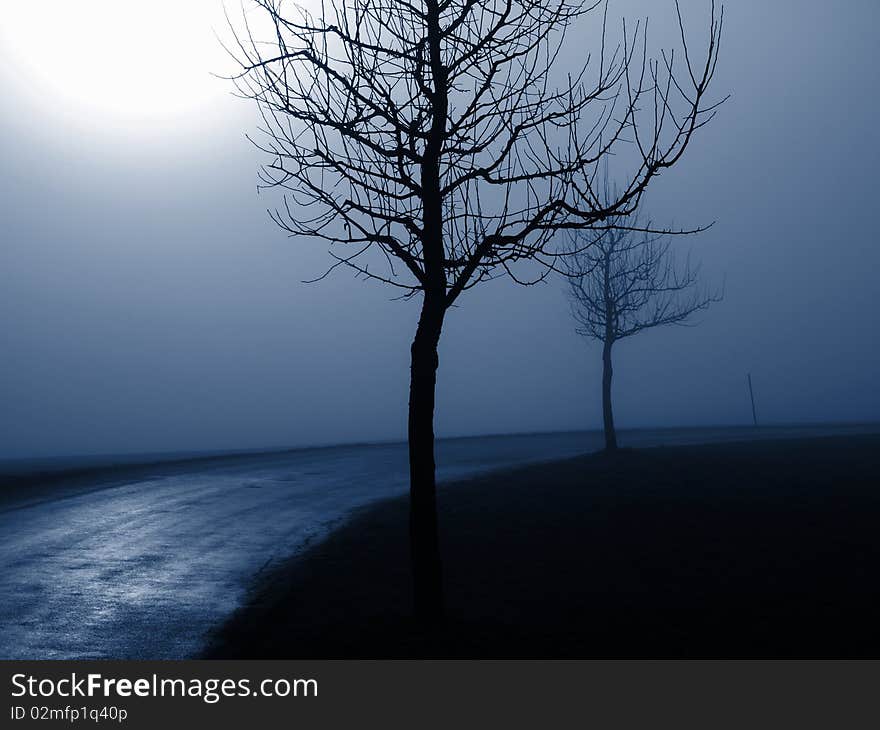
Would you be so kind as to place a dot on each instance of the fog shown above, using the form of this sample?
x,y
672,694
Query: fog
x,y
148,304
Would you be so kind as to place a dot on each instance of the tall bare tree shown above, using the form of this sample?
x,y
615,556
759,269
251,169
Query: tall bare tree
x,y
625,280
435,144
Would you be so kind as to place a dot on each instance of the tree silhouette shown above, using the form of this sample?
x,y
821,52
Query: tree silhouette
x,y
436,144
625,280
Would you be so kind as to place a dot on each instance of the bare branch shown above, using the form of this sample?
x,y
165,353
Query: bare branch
x,y
626,278
444,135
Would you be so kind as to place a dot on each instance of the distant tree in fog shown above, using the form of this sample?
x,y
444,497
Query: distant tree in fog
x,y
436,144
625,280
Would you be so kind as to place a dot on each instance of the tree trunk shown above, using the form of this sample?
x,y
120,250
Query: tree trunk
x,y
607,414
424,542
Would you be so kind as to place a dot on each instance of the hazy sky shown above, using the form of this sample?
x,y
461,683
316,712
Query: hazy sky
x,y
147,303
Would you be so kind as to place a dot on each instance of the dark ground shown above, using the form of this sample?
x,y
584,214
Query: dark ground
x,y
740,550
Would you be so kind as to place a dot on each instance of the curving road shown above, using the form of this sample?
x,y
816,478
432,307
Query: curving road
x,y
145,567
144,563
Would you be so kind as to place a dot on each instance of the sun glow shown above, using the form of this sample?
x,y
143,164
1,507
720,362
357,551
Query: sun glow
x,y
116,62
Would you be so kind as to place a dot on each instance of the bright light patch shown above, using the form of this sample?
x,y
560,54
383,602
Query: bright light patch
x,y
116,61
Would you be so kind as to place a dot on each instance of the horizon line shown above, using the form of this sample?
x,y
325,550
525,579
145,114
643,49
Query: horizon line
x,y
128,458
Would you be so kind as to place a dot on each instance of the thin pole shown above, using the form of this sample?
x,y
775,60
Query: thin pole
x,y
752,396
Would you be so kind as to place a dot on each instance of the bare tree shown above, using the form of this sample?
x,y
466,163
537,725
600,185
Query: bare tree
x,y
626,280
434,144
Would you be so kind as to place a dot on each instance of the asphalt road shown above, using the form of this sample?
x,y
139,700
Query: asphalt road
x,y
146,563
